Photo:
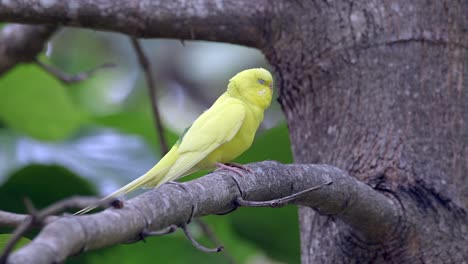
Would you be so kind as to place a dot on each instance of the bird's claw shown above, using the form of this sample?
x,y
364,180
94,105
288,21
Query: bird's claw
x,y
234,167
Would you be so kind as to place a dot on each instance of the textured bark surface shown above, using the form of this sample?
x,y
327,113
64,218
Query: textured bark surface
x,y
225,21
216,193
379,89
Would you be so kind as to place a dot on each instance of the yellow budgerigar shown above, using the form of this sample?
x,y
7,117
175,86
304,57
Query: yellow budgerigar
x,y
219,135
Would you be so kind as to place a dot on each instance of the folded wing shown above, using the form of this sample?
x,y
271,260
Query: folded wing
x,y
212,129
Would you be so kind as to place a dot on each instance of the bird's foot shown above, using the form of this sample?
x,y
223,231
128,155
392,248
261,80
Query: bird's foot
x,y
240,166
234,167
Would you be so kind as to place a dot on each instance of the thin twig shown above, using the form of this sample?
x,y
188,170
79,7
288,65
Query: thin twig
x,y
37,218
148,233
15,237
72,78
146,66
189,87
280,201
73,202
206,229
8,219
29,206
20,230
168,230
198,245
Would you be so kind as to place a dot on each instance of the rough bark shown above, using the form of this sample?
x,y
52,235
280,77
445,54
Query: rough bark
x,y
345,199
225,21
376,88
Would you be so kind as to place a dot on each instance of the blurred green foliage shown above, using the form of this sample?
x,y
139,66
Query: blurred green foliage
x,y
272,144
38,105
137,123
4,240
34,104
42,184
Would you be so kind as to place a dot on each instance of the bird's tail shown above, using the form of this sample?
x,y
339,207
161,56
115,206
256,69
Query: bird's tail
x,y
137,183
149,179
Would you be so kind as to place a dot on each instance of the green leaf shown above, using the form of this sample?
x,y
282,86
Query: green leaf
x,y
38,105
43,185
4,238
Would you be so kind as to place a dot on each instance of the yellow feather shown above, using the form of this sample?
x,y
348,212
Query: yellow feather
x,y
219,135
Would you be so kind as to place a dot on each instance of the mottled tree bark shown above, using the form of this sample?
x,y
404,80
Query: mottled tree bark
x,y
379,89
376,88
217,193
225,21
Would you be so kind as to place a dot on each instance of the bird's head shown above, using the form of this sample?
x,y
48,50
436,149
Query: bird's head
x,y
254,86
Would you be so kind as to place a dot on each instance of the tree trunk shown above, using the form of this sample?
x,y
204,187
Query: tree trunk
x,y
377,88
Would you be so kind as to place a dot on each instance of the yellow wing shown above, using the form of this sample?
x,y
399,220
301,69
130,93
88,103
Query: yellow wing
x,y
218,125
212,129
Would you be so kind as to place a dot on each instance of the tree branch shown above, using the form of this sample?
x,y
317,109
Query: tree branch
x,y
21,43
8,219
42,217
71,78
369,213
151,83
238,22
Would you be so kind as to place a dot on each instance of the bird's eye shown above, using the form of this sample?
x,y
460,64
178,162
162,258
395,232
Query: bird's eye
x,y
261,81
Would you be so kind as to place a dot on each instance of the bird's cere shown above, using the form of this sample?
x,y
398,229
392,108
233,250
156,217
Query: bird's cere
x,y
262,92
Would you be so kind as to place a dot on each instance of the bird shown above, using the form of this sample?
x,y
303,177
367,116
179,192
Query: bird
x,y
216,137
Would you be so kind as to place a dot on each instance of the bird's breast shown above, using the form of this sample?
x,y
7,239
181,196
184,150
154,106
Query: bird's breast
x,y
239,143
